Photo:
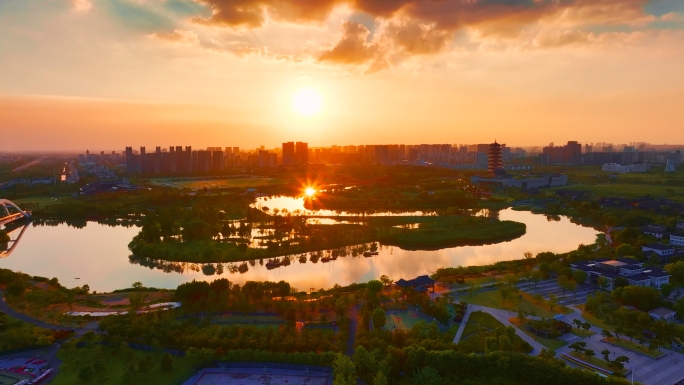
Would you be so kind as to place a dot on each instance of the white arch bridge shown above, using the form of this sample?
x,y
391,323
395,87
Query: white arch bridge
x,y
10,212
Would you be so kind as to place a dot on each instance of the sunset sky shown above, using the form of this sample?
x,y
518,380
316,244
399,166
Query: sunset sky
x,y
103,74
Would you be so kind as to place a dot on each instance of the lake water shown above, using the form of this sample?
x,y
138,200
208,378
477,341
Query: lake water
x,y
99,256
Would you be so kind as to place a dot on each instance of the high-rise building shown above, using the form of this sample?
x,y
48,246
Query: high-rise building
x,y
289,154
301,153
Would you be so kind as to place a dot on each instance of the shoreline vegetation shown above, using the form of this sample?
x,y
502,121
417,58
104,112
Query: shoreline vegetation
x,y
410,233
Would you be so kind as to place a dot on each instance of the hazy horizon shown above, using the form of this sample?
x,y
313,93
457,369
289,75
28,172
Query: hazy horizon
x,y
85,74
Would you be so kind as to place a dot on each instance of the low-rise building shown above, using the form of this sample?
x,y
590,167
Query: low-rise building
x,y
523,182
677,239
614,167
662,254
629,269
657,231
663,314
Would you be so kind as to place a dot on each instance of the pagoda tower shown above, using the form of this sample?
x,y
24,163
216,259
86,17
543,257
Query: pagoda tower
x,y
494,157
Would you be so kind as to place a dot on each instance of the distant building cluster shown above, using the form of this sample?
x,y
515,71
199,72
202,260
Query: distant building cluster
x,y
627,168
631,270
633,157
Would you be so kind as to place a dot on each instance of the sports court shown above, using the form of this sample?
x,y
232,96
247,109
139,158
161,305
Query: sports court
x,y
256,376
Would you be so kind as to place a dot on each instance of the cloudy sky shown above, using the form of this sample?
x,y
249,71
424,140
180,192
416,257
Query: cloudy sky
x,y
103,74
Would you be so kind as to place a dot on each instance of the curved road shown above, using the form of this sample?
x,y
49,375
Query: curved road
x,y
5,308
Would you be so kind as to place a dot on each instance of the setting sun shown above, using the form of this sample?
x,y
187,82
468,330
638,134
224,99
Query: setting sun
x,y
307,102
310,191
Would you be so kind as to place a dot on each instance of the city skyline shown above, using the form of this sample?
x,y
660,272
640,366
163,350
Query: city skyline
x,y
79,73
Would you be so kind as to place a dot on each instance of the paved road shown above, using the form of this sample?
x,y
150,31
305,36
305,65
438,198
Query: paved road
x,y
354,317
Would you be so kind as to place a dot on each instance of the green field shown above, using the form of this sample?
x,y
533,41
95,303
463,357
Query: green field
x,y
41,201
226,182
675,193
492,298
115,367
404,320
260,321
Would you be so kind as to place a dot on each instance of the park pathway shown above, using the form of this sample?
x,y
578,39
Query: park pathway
x,y
503,316
464,321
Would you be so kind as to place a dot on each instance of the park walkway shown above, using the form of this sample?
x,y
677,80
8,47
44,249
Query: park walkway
x,y
464,321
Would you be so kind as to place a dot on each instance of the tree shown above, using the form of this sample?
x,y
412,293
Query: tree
x,y
586,326
606,354
667,289
563,283
137,285
15,289
374,287
528,255
579,276
578,346
577,323
491,344
538,298
427,376
340,308
553,301
379,318
344,371
380,379
603,283
472,289
385,280
618,363
606,333
536,276
145,364
505,344
167,362
619,330
620,282
136,301
589,353
656,344
676,270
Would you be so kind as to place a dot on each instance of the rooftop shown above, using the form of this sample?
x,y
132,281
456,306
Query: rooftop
x,y
661,312
657,246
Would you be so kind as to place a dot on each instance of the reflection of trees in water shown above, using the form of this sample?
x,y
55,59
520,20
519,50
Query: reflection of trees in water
x,y
81,223
243,267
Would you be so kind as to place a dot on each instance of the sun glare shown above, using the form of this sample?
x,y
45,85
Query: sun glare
x,y
307,102
310,191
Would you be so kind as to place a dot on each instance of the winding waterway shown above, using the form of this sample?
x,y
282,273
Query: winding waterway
x,y
98,255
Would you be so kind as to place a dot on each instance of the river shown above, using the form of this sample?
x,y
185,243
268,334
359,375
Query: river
x,y
98,256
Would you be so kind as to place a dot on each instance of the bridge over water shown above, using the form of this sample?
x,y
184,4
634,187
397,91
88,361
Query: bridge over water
x,y
10,212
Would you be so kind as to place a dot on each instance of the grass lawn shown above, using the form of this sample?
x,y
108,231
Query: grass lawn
x,y
405,320
472,328
594,361
635,347
631,190
492,298
592,319
115,368
42,201
549,343
197,183
476,342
